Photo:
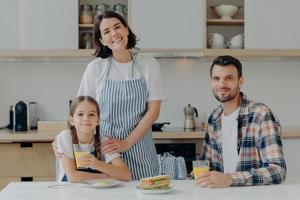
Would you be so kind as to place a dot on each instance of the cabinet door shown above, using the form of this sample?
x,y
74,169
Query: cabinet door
x,y
48,24
168,24
9,23
272,24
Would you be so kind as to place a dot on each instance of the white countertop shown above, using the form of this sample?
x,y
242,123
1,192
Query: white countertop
x,y
181,190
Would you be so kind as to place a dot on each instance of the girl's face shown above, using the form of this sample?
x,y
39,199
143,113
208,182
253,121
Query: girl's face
x,y
114,34
85,118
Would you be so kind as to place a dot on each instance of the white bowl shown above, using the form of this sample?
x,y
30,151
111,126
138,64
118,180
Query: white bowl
x,y
225,11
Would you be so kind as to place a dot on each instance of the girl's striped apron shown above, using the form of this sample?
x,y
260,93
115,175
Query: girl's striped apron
x,y
122,106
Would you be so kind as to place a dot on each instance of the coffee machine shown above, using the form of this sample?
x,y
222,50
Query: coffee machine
x,y
189,113
21,116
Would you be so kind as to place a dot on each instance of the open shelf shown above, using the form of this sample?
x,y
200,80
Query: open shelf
x,y
222,22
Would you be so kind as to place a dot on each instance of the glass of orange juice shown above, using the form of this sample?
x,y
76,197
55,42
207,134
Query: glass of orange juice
x,y
199,167
79,151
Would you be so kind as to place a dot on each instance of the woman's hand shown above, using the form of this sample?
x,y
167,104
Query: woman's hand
x,y
55,148
112,146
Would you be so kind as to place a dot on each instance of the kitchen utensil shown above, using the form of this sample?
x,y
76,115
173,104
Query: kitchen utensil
x,y
33,115
236,42
225,11
216,41
158,126
189,112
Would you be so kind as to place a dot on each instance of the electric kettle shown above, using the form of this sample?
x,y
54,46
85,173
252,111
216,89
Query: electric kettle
x,y
189,113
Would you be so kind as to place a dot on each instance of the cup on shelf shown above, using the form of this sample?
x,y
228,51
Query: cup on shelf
x,y
236,42
79,151
216,41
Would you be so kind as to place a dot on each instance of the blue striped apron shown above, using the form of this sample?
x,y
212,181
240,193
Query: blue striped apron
x,y
122,106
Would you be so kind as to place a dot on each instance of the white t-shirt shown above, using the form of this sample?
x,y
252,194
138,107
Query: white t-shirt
x,y
65,146
94,77
229,141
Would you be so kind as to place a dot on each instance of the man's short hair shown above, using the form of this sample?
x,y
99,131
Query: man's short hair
x,y
227,60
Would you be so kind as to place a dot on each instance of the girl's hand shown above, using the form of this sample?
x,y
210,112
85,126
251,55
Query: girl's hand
x,y
89,161
112,146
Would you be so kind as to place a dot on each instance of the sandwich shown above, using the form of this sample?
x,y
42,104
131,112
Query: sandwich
x,y
161,182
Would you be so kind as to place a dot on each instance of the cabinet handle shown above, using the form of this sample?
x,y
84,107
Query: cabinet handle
x,y
26,179
26,144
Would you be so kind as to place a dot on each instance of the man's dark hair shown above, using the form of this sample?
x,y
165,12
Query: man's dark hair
x,y
227,60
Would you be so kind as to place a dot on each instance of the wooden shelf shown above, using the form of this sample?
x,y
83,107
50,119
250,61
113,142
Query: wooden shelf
x,y
253,53
222,22
158,53
86,25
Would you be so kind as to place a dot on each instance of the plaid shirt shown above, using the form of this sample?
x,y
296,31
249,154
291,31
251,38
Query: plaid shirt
x,y
259,146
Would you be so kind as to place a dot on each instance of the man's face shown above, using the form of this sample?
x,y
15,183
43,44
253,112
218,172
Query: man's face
x,y
225,83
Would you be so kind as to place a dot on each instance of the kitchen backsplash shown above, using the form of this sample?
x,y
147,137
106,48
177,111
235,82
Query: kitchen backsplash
x,y
53,83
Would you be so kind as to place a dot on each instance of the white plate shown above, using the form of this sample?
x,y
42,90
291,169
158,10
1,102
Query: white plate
x,y
163,191
102,183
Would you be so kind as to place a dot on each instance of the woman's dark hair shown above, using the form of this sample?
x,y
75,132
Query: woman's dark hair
x,y
72,109
227,60
101,50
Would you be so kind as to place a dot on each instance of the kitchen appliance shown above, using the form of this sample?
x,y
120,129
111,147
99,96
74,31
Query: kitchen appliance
x,y
189,113
32,115
158,126
21,116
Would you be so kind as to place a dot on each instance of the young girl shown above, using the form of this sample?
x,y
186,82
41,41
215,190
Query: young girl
x,y
83,121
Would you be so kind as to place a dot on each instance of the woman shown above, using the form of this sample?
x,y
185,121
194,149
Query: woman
x,y
129,90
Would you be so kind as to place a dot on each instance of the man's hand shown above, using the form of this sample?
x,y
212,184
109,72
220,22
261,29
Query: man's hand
x,y
114,146
214,179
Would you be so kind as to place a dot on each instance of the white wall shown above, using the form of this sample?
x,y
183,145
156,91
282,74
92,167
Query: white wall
x,y
52,83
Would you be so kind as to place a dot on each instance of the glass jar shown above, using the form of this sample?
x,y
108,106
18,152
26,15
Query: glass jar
x,y
101,8
86,40
86,14
121,9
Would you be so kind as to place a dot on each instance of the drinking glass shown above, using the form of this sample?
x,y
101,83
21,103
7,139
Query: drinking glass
x,y
79,151
199,167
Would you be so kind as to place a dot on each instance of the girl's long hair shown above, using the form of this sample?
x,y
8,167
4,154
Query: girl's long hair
x,y
73,131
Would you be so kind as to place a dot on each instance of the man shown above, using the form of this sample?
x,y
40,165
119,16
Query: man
x,y
243,140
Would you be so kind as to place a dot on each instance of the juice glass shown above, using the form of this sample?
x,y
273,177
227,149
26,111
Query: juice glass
x,y
79,151
199,167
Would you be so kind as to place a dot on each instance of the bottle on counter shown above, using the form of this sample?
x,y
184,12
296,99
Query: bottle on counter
x,y
86,14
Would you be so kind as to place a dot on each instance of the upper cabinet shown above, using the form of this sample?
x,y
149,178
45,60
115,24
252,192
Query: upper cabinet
x,y
167,24
224,24
9,23
272,24
45,24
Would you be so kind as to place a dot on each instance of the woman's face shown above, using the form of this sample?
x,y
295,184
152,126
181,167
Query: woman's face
x,y
85,118
114,34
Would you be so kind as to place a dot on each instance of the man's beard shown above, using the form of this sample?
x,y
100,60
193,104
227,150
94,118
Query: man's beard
x,y
227,98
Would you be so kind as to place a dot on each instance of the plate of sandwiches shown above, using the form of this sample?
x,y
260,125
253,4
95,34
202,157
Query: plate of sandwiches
x,y
155,185
102,183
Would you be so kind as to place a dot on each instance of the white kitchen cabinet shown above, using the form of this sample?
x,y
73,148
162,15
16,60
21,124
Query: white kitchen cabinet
x,y
9,23
168,24
272,24
45,24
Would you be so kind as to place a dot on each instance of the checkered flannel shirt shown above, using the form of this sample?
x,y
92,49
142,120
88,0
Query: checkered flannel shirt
x,y
259,146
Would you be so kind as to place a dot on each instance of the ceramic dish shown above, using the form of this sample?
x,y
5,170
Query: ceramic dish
x,y
102,183
163,191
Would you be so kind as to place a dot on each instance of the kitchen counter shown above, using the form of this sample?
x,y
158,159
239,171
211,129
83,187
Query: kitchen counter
x,y
8,136
127,191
